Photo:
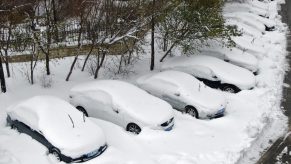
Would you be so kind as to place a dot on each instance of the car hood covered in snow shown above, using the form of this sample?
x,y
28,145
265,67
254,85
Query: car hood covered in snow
x,y
191,91
226,72
130,99
60,123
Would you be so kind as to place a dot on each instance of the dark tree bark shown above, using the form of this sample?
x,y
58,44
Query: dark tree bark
x,y
33,62
78,51
99,63
168,52
2,77
7,65
87,57
6,50
152,66
47,63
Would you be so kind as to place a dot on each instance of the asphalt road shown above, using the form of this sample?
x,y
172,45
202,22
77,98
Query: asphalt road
x,y
280,151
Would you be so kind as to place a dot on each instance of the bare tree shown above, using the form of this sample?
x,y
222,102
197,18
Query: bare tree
x,y
152,65
2,77
82,11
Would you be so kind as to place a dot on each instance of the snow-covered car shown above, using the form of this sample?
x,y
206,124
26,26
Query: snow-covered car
x,y
57,125
245,7
185,93
234,56
250,45
261,23
123,104
214,72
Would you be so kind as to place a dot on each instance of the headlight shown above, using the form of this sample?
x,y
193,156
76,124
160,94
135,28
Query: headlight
x,y
165,124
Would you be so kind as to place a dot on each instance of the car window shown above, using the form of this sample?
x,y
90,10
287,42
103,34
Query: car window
x,y
100,97
203,72
165,87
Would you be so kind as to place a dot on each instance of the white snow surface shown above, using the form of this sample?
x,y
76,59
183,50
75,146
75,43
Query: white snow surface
x,y
50,117
134,101
191,91
253,118
224,71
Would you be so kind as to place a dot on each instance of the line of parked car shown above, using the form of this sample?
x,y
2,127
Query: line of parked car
x,y
184,84
63,127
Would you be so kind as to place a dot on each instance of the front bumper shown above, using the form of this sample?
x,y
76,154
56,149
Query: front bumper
x,y
91,155
218,114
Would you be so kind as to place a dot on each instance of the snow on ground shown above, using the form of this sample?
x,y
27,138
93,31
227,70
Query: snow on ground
x,y
253,116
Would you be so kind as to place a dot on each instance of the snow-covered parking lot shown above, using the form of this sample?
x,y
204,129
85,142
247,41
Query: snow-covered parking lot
x,y
253,117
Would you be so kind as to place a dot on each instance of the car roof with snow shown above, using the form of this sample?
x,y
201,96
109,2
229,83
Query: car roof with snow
x,y
225,72
234,55
246,16
191,89
248,21
239,7
60,123
127,97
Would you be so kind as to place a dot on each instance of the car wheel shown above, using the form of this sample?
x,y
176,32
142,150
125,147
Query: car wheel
x,y
230,88
56,153
13,126
133,128
81,109
192,111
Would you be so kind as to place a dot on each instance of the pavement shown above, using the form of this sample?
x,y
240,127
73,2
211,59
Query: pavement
x,y
280,151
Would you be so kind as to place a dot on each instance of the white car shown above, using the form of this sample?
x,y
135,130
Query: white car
x,y
256,21
250,45
185,93
123,104
234,56
214,72
57,125
245,7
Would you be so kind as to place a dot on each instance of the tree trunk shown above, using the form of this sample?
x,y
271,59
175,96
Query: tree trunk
x,y
7,63
78,52
2,77
72,67
152,66
47,63
120,64
168,52
31,71
87,57
173,45
99,64
8,43
165,42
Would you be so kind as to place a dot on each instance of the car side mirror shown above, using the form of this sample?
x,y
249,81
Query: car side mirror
x,y
177,94
116,110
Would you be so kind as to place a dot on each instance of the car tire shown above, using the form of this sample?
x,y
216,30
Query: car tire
x,y
81,109
229,88
133,128
192,111
56,152
13,126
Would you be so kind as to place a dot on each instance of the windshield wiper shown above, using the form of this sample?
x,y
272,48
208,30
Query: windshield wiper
x,y
71,121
